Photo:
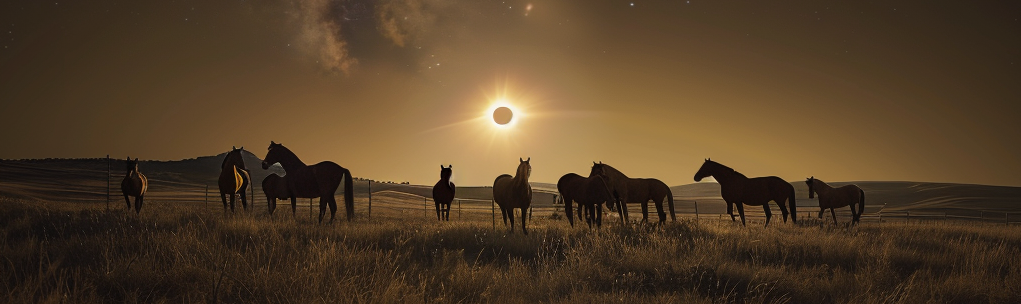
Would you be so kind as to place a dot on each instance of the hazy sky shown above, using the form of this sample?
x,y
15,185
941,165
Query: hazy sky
x,y
842,90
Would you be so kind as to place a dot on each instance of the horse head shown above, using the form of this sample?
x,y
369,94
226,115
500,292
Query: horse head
x,y
131,165
274,153
811,186
446,172
705,170
524,168
234,158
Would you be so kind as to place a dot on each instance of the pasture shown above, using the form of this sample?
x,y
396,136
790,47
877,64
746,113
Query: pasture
x,y
83,253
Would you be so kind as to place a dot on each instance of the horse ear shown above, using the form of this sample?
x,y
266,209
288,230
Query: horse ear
x,y
136,159
451,166
521,159
242,148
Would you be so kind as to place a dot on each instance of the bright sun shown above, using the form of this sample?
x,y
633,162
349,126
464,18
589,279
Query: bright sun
x,y
503,114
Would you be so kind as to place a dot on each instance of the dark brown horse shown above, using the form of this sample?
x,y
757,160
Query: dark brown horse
x,y
275,187
134,184
628,190
741,190
320,180
234,179
512,192
830,197
443,193
590,193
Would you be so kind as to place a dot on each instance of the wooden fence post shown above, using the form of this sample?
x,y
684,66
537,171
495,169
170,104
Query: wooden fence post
x,y
108,177
425,208
696,210
370,198
459,209
493,207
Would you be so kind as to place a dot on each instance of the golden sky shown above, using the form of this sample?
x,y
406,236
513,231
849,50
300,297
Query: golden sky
x,y
887,90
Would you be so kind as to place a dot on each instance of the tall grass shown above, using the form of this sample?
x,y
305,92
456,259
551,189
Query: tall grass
x,y
74,253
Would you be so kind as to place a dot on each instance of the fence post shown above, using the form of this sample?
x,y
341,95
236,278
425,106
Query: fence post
x,y
207,198
493,207
108,177
459,209
425,208
251,186
310,208
696,210
370,198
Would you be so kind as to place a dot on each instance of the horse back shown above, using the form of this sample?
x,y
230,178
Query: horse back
x,y
508,196
443,192
134,184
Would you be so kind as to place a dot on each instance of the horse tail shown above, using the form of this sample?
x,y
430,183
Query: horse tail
x,y
794,204
349,193
670,203
861,203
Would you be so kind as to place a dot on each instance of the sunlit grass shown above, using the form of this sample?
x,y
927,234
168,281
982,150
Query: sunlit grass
x,y
70,253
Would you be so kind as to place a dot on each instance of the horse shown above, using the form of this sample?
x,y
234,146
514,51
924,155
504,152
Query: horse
x,y
830,197
275,187
738,189
590,193
514,192
134,184
443,193
636,190
234,179
320,180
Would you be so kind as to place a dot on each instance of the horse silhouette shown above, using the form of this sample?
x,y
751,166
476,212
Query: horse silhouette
x,y
590,193
320,180
830,197
628,190
738,189
234,179
275,187
514,192
134,184
443,193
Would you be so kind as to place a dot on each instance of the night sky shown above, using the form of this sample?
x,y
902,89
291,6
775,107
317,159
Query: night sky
x,y
842,90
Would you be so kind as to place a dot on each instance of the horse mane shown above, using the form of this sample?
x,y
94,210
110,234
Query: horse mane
x,y
612,169
728,169
289,156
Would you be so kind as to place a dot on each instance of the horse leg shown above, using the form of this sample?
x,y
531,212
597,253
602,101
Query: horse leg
x,y
621,211
438,217
271,204
769,213
588,215
659,209
783,210
524,215
332,201
740,210
645,211
322,210
854,214
128,200
446,211
730,210
821,210
504,212
599,215
510,213
294,206
138,204
244,200
834,214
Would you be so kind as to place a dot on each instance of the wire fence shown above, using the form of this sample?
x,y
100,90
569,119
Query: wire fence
x,y
93,184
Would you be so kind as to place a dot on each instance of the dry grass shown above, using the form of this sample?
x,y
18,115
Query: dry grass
x,y
76,253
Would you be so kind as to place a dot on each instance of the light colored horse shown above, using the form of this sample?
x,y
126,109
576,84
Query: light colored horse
x,y
511,192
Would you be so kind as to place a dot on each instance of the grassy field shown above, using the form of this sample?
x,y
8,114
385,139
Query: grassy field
x,y
56,252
